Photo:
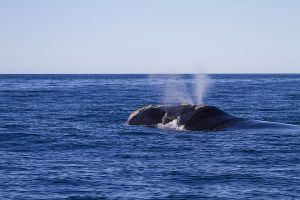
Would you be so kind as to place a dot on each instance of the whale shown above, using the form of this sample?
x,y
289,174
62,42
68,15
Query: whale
x,y
191,117
195,118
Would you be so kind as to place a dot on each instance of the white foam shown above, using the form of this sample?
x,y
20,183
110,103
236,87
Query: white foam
x,y
172,125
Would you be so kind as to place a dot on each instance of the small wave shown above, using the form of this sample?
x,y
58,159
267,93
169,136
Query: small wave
x,y
172,125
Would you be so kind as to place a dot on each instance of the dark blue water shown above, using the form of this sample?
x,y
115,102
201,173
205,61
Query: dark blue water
x,y
65,137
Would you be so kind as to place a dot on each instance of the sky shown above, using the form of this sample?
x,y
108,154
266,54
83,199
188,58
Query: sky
x,y
149,36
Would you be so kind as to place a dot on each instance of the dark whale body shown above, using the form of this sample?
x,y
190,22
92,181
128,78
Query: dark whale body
x,y
198,118
192,117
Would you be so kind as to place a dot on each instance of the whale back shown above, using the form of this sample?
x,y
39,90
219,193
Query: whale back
x,y
192,117
208,118
150,116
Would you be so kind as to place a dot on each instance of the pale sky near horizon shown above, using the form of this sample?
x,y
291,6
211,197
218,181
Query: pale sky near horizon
x,y
149,36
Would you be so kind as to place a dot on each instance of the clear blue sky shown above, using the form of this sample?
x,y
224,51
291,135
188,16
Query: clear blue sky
x,y
149,36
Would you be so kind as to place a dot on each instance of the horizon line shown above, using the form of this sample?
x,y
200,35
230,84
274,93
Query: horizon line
x,y
245,73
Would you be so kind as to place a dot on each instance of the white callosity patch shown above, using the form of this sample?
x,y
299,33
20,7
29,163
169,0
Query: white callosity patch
x,y
133,114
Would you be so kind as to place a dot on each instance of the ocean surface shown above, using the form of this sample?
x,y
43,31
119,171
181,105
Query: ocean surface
x,y
65,137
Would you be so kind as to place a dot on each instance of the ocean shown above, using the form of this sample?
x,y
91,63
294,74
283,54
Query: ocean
x,y
66,137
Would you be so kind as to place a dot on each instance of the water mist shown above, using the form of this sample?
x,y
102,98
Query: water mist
x,y
180,89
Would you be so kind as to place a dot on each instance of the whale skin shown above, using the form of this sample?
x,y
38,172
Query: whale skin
x,y
191,117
